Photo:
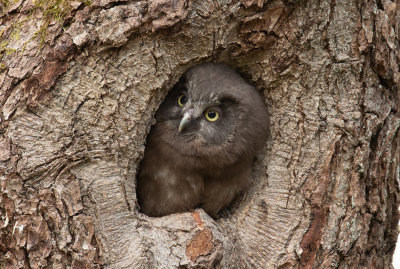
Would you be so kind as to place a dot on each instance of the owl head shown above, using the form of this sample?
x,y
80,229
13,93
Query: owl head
x,y
213,117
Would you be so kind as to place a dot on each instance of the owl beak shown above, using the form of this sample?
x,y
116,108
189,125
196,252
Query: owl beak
x,y
185,120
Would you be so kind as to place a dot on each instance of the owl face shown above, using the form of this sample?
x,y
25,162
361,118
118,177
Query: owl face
x,y
203,116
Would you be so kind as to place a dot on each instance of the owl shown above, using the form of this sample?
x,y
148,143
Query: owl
x,y
201,150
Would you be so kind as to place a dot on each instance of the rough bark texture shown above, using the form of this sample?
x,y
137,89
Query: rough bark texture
x,y
78,97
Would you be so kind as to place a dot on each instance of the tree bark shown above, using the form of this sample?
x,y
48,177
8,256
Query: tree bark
x,y
80,83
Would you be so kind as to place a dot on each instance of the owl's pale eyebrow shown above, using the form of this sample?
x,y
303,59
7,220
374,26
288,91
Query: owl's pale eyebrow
x,y
213,98
209,101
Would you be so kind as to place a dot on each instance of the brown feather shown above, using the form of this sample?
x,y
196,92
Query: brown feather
x,y
208,163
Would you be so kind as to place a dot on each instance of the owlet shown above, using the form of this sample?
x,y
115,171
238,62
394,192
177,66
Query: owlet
x,y
200,152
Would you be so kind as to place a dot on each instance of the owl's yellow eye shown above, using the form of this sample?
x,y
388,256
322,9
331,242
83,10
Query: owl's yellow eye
x,y
211,115
182,100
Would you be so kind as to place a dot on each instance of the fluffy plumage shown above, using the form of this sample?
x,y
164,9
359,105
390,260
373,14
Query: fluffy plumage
x,y
201,150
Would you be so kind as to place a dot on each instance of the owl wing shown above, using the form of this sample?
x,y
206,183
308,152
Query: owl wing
x,y
163,189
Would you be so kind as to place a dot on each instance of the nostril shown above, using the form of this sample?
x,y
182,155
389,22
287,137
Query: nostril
x,y
187,116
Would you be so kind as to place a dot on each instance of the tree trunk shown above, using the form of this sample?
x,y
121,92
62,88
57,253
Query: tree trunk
x,y
80,83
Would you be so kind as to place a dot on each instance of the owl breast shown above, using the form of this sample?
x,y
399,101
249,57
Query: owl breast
x,y
164,186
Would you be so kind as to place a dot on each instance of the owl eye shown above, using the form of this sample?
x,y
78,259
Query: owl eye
x,y
211,115
182,100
